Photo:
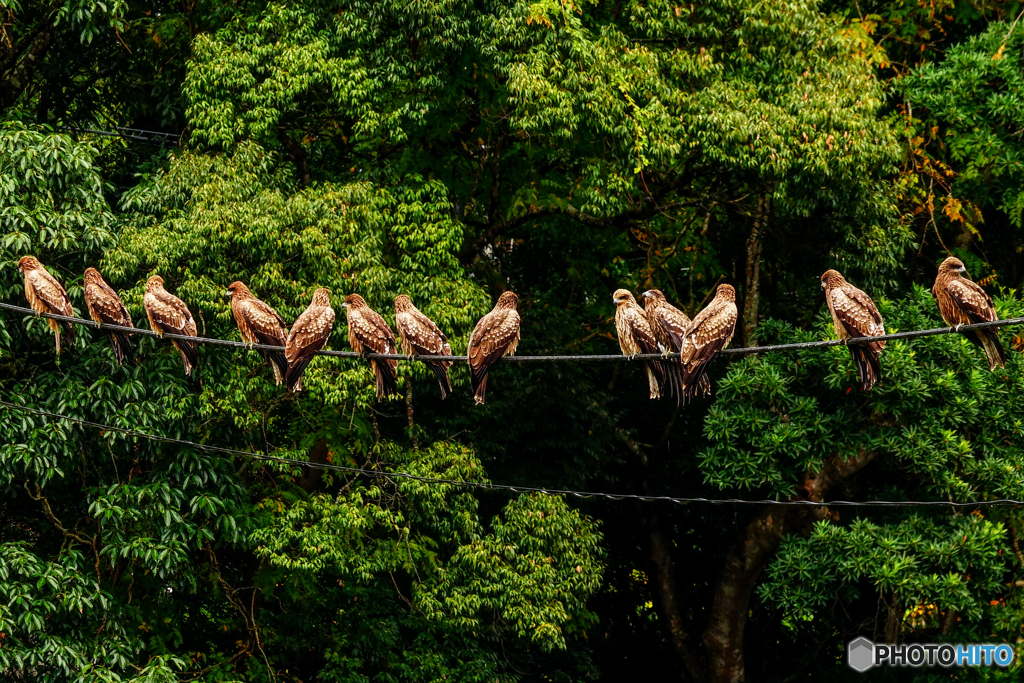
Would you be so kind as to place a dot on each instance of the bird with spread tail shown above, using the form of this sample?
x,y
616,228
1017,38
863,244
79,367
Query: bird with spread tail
x,y
421,337
709,332
46,295
854,314
495,336
106,308
309,334
169,314
669,325
962,301
636,337
369,333
258,323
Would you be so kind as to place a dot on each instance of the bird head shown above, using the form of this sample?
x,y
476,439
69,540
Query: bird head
x,y
354,301
154,283
508,300
403,303
321,297
27,263
237,289
726,292
622,296
92,276
831,278
952,265
652,295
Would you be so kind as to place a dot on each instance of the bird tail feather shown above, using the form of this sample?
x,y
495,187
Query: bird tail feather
x,y
293,376
122,345
386,372
441,372
478,381
993,349
869,369
189,357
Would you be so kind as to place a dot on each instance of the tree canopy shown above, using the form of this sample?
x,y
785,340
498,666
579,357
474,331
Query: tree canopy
x,y
451,151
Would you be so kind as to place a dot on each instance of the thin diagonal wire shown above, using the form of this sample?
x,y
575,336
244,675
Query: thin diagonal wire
x,y
744,351
383,474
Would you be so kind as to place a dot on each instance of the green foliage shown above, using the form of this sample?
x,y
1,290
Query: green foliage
x,y
975,94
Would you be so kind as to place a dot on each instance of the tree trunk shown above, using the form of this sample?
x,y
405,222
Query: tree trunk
x,y
14,81
723,637
752,285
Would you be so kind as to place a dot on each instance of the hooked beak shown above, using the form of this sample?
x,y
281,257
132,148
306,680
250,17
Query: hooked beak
x,y
228,294
961,269
344,304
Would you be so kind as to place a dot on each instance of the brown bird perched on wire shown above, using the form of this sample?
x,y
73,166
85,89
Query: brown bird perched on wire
x,y
309,334
963,302
421,337
669,325
259,323
709,332
636,337
369,333
168,313
854,314
106,308
495,336
46,295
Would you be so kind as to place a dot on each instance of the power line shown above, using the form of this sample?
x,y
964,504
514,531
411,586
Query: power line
x,y
383,474
743,351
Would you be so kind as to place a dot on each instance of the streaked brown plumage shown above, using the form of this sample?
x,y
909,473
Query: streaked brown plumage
x,y
258,323
636,337
369,333
46,295
106,308
709,332
669,325
963,302
421,337
495,336
854,314
309,334
169,314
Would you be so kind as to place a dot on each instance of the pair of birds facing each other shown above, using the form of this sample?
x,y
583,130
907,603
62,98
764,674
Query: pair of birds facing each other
x,y
960,302
495,335
660,327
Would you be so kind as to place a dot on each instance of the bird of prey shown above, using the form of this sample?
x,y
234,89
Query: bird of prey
x,y
258,323
169,314
45,295
495,335
368,333
636,337
421,337
854,314
709,332
106,308
963,302
669,325
309,334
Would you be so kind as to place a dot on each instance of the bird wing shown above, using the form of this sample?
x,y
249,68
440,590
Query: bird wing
x,y
971,299
309,333
48,292
170,313
639,329
260,324
855,312
709,332
421,335
371,331
105,306
496,335
674,322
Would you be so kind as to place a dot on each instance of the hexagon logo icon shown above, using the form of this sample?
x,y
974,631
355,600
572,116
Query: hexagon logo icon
x,y
860,654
